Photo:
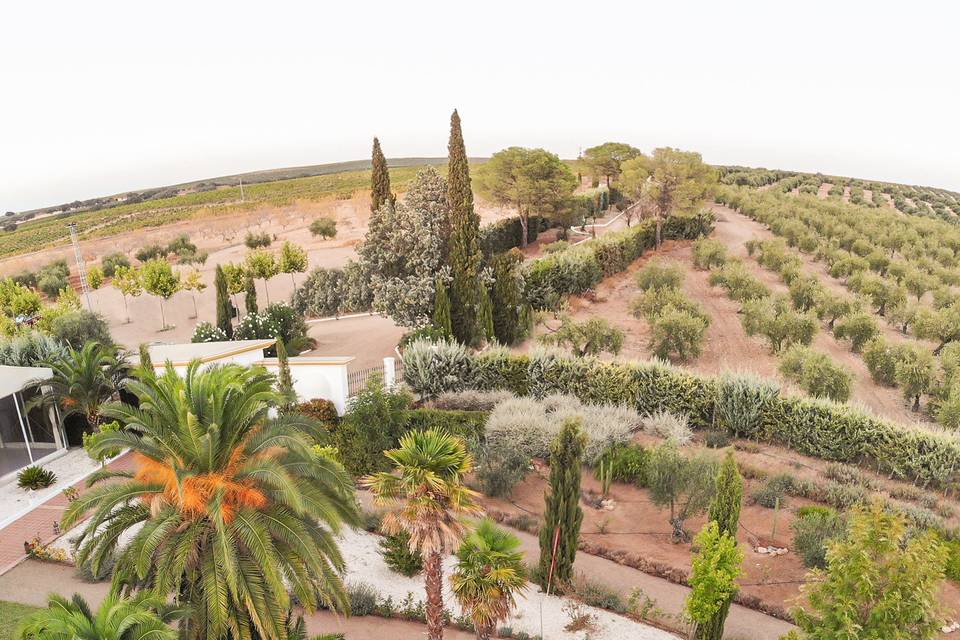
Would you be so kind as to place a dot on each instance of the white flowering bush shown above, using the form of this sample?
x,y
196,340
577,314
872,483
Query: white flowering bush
x,y
671,426
207,332
254,326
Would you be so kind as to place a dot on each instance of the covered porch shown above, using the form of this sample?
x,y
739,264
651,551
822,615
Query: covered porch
x,y
28,434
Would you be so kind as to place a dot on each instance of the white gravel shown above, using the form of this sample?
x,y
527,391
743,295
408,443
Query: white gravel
x,y
366,565
74,465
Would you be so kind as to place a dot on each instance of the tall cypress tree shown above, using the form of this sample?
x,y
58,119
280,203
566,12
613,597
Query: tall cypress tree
x,y
725,507
725,511
146,363
379,179
441,309
464,247
250,296
284,378
224,313
562,518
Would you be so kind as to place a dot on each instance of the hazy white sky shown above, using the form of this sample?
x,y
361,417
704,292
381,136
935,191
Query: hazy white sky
x,y
102,97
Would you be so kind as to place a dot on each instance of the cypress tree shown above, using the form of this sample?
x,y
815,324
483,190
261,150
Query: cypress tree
x,y
379,179
464,249
146,363
284,378
563,515
725,511
441,309
224,314
725,507
250,296
506,297
485,317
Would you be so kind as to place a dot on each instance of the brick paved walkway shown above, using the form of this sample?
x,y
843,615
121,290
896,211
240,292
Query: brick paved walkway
x,y
40,521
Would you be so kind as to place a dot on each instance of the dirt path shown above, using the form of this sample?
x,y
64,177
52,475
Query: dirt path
x,y
32,581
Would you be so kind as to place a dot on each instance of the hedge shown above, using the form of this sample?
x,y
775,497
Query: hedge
x,y
466,424
581,267
812,427
503,235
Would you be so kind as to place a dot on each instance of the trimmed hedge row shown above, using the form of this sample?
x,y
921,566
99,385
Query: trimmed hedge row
x,y
582,267
812,427
503,235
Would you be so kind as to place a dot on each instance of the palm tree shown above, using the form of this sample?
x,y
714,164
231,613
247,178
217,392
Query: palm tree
x,y
83,380
428,485
139,618
235,508
489,574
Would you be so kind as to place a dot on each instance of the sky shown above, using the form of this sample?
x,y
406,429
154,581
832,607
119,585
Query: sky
x,y
102,97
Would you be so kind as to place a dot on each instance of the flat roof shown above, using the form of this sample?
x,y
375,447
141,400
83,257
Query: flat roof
x,y
310,360
14,379
183,354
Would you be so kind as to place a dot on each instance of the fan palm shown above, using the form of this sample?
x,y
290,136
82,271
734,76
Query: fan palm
x,y
489,574
139,618
428,485
83,380
234,506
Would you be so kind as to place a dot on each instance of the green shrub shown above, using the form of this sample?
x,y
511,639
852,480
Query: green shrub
x,y
150,252
659,274
774,491
716,439
554,247
650,304
363,599
812,532
846,474
805,293
816,373
709,253
677,335
627,463
860,328
396,552
774,318
324,228
257,240
881,359
373,423
77,328
952,568
111,261
812,509
35,477
320,409
741,285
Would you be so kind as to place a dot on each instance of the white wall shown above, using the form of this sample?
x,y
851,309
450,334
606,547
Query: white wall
x,y
317,378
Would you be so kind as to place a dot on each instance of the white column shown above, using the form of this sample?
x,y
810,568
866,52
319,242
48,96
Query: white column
x,y
23,428
389,372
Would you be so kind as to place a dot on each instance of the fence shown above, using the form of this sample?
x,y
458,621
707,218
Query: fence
x,y
391,372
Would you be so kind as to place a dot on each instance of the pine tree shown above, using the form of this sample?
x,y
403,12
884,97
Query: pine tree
x,y
379,179
284,378
441,309
224,311
250,296
464,250
725,511
561,528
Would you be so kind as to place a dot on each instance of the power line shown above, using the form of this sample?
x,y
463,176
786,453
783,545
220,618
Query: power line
x,y
81,267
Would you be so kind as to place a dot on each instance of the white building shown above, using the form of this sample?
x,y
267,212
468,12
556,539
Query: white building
x,y
313,377
27,435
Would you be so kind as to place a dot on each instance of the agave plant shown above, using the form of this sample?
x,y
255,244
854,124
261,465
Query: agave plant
x,y
234,508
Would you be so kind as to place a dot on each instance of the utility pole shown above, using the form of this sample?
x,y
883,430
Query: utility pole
x,y
81,267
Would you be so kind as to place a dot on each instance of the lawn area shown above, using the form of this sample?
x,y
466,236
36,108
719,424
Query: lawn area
x,y
10,614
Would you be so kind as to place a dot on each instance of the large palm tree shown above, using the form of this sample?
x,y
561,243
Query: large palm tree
x,y
235,508
489,575
140,618
83,380
431,500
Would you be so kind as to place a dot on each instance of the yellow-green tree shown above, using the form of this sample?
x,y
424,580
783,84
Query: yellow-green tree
x,y
293,259
160,280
